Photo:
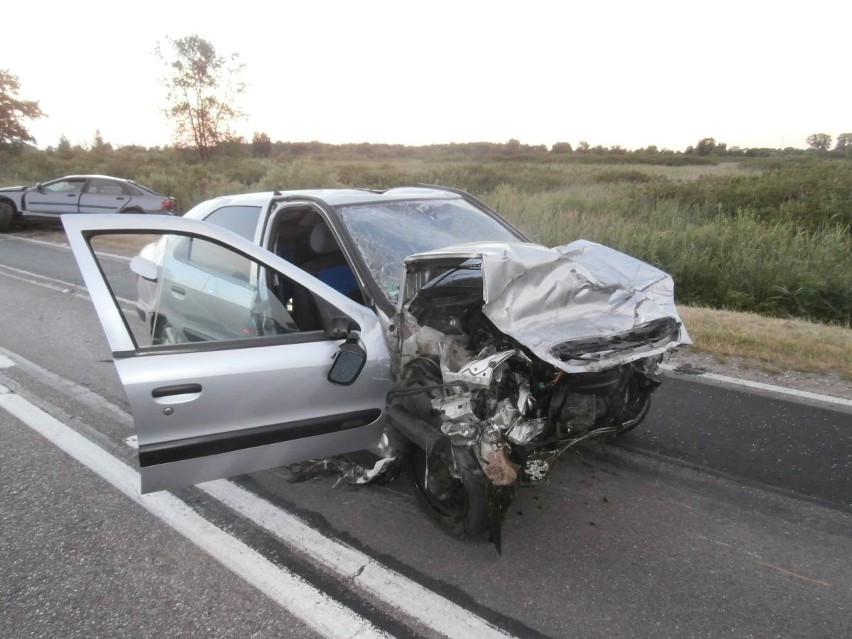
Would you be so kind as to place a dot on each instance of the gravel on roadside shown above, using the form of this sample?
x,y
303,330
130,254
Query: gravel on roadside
x,y
691,361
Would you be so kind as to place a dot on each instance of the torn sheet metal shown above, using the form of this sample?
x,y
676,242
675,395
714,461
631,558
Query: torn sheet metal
x,y
349,471
480,372
580,307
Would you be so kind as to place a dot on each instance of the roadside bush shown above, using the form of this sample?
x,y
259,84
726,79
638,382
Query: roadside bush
x,y
809,194
738,262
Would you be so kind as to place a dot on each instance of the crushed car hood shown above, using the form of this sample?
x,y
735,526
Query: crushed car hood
x,y
581,306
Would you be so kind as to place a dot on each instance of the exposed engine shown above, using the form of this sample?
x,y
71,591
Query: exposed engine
x,y
491,394
471,396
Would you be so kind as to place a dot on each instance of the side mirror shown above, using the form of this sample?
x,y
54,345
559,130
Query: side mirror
x,y
144,268
348,362
40,187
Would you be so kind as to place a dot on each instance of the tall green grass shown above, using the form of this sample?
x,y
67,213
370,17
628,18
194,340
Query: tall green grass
x,y
738,262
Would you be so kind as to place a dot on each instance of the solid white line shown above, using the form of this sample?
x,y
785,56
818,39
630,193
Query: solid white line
x,y
54,284
72,389
315,608
59,245
403,594
760,386
30,240
40,280
410,598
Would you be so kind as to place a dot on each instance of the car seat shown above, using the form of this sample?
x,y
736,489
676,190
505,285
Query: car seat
x,y
329,266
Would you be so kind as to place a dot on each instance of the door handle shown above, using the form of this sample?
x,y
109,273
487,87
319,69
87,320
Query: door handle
x,y
177,389
178,290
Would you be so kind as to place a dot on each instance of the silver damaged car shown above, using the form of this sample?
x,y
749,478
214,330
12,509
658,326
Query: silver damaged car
x,y
266,329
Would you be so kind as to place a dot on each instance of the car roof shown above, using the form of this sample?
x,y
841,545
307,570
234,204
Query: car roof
x,y
89,177
332,197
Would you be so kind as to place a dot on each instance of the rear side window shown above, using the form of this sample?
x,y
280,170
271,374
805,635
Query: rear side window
x,y
213,258
241,220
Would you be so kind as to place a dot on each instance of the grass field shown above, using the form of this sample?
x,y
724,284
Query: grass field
x,y
771,344
769,236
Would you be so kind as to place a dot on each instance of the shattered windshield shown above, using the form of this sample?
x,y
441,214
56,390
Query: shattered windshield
x,y
387,233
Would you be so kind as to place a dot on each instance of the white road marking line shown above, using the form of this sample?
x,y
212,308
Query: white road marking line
x,y
403,594
31,240
58,245
315,608
410,598
40,280
406,596
54,284
82,394
760,386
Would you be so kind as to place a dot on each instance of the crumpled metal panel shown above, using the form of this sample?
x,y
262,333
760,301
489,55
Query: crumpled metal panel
x,y
545,297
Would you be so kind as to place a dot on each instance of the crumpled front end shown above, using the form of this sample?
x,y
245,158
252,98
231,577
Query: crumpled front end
x,y
509,354
581,307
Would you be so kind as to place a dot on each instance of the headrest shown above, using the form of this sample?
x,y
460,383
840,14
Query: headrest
x,y
322,241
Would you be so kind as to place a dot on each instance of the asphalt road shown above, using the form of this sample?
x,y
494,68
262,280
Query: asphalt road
x,y
727,514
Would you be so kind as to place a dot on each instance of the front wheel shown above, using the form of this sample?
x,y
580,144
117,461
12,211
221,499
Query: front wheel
x,y
466,505
635,404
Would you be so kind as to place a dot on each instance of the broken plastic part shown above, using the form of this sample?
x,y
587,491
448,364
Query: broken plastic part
x,y
524,430
480,372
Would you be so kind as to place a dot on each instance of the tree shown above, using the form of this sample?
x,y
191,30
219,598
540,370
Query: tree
x,y
562,147
63,148
261,145
512,146
13,111
705,146
202,87
98,145
844,142
819,141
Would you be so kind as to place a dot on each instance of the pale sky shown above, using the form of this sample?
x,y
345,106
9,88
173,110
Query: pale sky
x,y
632,73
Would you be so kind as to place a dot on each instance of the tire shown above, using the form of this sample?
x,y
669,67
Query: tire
x,y
467,506
7,214
635,404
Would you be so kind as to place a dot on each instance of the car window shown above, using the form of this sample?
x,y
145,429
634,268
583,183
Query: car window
x,y
65,186
97,186
216,260
242,220
385,233
201,292
137,189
